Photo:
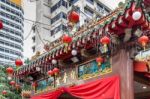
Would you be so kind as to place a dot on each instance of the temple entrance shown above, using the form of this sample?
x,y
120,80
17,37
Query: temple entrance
x,y
67,96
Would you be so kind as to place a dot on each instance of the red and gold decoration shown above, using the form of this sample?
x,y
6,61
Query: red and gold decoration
x,y
4,92
99,60
73,17
66,40
105,41
143,40
1,25
9,71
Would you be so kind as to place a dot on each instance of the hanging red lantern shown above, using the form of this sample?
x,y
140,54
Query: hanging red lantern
x,y
105,41
73,17
12,83
18,62
66,40
50,73
9,70
56,71
4,92
1,25
99,60
143,40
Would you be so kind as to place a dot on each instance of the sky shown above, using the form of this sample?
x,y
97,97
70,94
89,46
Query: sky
x,y
29,13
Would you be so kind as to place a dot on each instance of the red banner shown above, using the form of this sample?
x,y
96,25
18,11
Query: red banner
x,y
106,88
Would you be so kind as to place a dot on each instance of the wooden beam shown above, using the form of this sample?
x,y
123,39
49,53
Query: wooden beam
x,y
142,95
141,80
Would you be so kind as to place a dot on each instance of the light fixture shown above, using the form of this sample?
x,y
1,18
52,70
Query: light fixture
x,y
74,52
136,15
38,69
144,87
54,61
9,78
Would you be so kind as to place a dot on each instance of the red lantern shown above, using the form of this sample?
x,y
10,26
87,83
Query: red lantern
x,y
18,62
4,92
56,71
66,40
73,17
50,73
105,41
9,70
12,83
1,25
143,40
99,60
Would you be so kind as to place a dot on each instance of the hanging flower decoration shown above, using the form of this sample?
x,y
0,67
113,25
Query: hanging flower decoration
x,y
50,73
73,17
105,41
143,40
55,71
12,83
99,60
66,40
9,71
1,25
4,92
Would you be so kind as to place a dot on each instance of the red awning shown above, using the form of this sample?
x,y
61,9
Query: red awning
x,y
107,88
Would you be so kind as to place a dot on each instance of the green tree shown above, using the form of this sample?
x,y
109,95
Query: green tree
x,y
12,93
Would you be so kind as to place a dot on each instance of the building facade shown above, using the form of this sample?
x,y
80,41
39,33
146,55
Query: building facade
x,y
11,36
53,13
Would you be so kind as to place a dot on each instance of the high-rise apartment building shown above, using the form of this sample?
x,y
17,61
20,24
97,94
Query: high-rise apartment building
x,y
11,36
53,13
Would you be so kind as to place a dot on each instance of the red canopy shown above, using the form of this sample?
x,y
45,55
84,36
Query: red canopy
x,y
107,88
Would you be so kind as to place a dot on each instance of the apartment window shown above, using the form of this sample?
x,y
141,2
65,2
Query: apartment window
x,y
58,16
33,48
33,38
73,1
90,1
88,11
57,29
99,6
57,5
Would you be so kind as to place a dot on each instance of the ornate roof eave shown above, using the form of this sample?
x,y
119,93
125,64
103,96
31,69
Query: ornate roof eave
x,y
102,23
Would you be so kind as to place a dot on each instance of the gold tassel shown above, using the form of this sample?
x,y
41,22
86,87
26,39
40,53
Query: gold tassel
x,y
105,47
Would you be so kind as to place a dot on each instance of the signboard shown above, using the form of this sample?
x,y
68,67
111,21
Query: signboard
x,y
90,69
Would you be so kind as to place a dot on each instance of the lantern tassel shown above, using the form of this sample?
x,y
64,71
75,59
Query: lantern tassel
x,y
105,47
66,45
144,45
99,63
